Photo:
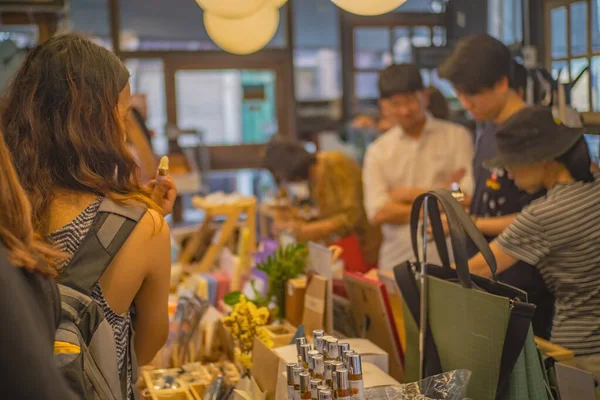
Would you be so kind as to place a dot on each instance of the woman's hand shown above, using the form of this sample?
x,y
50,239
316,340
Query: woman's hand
x,y
164,193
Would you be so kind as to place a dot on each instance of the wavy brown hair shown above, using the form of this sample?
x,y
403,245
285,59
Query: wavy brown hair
x,y
16,230
62,127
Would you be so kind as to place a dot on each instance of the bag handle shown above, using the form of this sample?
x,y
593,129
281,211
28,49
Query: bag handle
x,y
471,230
457,235
460,227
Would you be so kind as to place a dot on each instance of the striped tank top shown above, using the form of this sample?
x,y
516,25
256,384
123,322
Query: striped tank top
x,y
68,239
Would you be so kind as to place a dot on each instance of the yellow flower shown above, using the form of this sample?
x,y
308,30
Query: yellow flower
x,y
246,323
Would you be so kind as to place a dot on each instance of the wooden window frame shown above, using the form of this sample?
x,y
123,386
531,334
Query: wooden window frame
x,y
588,55
225,157
350,22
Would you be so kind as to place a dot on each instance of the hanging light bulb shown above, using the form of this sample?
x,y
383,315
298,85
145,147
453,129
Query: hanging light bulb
x,y
243,35
368,7
231,8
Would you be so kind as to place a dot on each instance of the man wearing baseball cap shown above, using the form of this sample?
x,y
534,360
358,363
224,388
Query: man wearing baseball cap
x,y
559,233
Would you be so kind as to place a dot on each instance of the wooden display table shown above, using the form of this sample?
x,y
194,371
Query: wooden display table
x,y
232,211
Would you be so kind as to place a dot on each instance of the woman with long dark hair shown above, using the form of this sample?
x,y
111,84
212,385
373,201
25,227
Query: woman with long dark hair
x,y
64,122
29,299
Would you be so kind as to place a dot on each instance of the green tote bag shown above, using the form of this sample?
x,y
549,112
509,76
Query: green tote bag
x,y
473,323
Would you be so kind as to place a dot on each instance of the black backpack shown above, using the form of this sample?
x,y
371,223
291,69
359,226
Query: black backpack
x,y
85,348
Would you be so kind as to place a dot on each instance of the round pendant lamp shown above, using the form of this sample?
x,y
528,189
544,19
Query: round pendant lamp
x,y
231,8
243,35
368,7
278,3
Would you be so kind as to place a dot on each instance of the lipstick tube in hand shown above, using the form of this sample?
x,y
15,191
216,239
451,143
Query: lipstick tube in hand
x,y
163,167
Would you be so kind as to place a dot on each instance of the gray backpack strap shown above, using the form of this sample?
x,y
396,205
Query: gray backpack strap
x,y
109,231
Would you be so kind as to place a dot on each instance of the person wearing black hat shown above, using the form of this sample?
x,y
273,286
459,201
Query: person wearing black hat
x,y
558,233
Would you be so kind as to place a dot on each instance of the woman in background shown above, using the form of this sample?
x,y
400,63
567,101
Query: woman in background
x,y
332,182
64,123
29,299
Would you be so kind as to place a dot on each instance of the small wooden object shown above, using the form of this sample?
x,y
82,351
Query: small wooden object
x,y
167,394
232,212
281,334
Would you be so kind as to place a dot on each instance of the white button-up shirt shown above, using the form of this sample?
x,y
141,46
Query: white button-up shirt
x,y
397,160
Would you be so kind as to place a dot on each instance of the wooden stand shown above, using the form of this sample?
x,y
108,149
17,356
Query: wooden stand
x,y
232,212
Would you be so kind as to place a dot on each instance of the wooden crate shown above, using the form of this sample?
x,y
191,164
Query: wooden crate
x,y
281,334
168,394
171,395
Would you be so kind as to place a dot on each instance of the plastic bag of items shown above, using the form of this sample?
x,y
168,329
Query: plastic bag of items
x,y
447,386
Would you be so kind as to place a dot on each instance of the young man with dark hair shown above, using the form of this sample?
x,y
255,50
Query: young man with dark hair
x,y
419,153
519,80
482,71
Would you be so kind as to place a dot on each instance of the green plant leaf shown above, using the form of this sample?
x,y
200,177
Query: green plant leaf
x,y
231,299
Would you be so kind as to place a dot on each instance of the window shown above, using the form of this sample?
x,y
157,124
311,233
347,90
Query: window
x,y
571,53
236,106
317,56
91,19
173,25
148,87
377,47
23,36
505,20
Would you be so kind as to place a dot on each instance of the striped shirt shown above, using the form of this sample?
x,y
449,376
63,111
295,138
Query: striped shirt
x,y
560,234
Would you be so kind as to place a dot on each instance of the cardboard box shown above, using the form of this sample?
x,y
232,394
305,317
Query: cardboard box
x,y
294,300
373,376
314,316
265,369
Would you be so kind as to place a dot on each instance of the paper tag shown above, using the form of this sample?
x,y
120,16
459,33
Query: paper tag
x,y
290,393
314,304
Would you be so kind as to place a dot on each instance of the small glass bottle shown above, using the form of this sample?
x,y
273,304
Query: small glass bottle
x,y
343,385
314,385
329,373
290,380
305,393
319,367
326,394
342,347
337,365
311,363
345,356
323,343
322,387
318,333
304,349
297,371
319,344
299,342
357,385
332,349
